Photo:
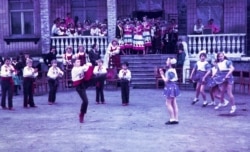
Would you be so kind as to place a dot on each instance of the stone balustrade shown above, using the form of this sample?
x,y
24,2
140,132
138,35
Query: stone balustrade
x,y
233,45
61,42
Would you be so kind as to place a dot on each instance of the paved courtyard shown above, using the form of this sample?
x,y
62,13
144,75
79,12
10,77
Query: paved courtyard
x,y
112,127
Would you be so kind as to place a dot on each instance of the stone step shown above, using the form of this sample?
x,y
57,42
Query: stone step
x,y
143,68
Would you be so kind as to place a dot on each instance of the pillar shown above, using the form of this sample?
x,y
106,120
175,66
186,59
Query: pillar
x,y
112,17
45,25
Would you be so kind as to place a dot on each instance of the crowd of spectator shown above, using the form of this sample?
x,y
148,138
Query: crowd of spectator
x,y
73,27
158,35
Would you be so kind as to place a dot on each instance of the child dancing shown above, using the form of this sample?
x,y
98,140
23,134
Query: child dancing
x,y
171,90
53,74
77,75
100,73
125,77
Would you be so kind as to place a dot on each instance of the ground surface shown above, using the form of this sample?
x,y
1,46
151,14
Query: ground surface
x,y
111,127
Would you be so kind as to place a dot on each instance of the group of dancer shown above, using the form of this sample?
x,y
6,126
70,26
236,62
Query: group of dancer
x,y
7,84
83,74
218,77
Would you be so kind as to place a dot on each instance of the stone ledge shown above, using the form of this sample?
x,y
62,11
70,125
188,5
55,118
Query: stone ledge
x,y
11,39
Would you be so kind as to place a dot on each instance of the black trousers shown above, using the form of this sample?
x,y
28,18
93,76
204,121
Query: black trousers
x,y
81,90
53,86
7,87
99,90
125,91
28,92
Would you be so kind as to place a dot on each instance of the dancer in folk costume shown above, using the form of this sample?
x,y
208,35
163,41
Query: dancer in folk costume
x,y
125,78
100,74
29,75
77,75
138,41
128,37
201,68
146,34
7,71
81,55
54,73
224,78
67,62
171,90
68,57
112,57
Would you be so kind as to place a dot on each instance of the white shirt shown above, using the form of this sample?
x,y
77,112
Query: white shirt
x,y
99,70
77,73
54,72
7,70
201,66
95,31
198,29
29,72
124,74
224,65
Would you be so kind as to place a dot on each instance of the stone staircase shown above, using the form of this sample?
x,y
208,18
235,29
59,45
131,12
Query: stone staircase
x,y
143,68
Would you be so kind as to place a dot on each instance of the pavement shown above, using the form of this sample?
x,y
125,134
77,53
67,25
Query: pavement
x,y
111,127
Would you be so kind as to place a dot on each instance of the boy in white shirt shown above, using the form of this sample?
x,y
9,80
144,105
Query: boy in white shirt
x,y
54,73
77,75
100,72
29,75
125,77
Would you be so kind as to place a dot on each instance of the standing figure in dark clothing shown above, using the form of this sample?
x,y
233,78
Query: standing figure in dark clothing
x,y
172,34
94,54
181,55
50,56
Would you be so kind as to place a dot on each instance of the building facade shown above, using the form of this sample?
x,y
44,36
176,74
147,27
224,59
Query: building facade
x,y
26,24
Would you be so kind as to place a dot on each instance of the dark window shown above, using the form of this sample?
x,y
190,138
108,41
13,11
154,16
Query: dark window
x,y
21,17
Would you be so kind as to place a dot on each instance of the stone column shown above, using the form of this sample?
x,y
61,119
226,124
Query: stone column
x,y
112,17
45,25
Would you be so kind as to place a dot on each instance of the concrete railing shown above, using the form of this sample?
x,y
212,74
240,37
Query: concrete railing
x,y
233,45
61,42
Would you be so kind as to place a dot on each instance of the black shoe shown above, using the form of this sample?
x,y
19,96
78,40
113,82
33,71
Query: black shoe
x,y
194,101
204,104
171,122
